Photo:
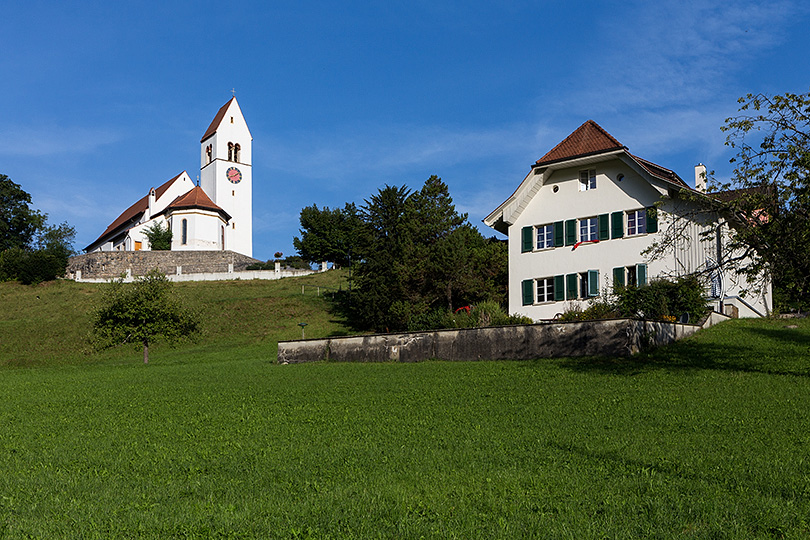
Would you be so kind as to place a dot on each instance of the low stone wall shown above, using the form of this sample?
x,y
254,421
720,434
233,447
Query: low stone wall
x,y
107,265
615,337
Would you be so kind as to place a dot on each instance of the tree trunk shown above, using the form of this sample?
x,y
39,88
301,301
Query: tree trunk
x,y
145,351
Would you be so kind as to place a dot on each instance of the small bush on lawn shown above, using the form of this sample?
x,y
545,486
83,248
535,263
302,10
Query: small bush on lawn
x,y
601,307
663,299
486,313
660,300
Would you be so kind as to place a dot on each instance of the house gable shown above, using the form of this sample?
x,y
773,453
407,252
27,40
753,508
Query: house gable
x,y
586,147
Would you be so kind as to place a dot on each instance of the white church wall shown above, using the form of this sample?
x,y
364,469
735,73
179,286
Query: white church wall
x,y
179,187
203,230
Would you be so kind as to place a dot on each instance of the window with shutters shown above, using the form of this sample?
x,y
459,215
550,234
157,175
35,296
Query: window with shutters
x,y
545,236
588,229
583,285
630,275
637,222
589,284
545,290
587,180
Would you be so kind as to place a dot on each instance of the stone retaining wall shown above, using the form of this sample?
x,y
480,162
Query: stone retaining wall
x,y
106,265
615,337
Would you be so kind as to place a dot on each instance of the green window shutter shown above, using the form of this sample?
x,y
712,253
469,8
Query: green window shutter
x,y
604,227
652,219
559,288
641,274
559,236
528,292
571,287
570,232
593,282
617,224
526,236
618,277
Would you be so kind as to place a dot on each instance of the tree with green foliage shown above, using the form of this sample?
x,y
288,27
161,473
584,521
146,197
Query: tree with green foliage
x,y
30,249
424,257
142,312
335,235
381,276
771,201
19,223
160,237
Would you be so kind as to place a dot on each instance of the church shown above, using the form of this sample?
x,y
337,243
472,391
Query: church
x,y
217,214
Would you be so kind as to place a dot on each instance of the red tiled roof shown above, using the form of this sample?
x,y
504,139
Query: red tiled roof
x,y
587,139
733,194
134,212
660,172
217,120
196,198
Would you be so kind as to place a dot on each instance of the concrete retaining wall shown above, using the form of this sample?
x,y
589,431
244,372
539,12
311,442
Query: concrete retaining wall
x,y
103,266
616,337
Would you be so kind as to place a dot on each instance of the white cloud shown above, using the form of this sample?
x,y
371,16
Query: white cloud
x,y
366,150
675,54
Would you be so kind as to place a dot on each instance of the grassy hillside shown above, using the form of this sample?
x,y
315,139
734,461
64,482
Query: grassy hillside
x,y
50,324
708,438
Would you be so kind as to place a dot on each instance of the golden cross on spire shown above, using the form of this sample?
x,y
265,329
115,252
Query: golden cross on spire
x,y
233,91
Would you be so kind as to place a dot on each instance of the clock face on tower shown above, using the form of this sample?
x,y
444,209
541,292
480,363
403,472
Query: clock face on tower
x,y
234,175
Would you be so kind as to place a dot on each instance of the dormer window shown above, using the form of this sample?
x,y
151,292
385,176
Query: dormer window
x,y
587,180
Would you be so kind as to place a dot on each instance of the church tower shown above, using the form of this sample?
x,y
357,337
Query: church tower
x,y
226,174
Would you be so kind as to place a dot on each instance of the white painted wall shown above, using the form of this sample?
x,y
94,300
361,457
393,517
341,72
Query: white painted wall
x,y
203,233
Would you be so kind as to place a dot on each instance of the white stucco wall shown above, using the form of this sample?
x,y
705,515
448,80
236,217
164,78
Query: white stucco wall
x,y
203,230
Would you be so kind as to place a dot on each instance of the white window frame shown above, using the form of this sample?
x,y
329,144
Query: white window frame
x,y
544,290
546,232
587,180
588,229
637,222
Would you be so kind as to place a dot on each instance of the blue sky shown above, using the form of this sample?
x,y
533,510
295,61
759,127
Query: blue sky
x,y
102,100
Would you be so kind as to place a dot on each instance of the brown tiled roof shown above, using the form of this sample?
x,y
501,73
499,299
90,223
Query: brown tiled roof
x,y
587,139
133,213
196,198
217,120
660,172
733,194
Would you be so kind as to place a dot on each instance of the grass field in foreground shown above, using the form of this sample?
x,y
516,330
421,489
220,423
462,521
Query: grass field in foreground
x,y
709,438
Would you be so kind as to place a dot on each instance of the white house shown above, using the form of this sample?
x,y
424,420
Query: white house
x,y
580,221
216,215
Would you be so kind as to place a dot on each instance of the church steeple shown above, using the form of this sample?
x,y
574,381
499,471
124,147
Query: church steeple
x,y
226,173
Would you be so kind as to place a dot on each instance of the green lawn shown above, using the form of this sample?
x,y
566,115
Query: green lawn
x,y
709,438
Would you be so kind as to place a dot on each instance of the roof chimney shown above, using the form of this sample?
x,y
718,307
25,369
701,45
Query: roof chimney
x,y
150,204
700,177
